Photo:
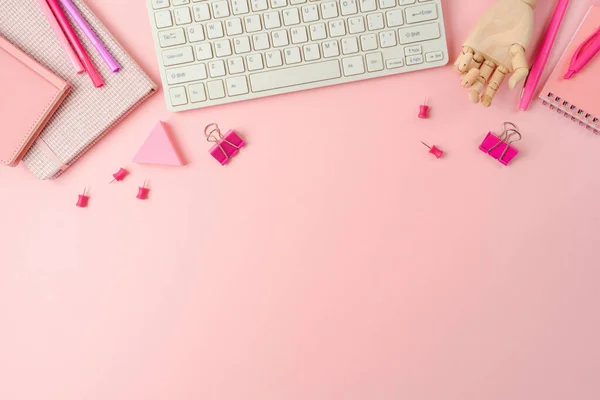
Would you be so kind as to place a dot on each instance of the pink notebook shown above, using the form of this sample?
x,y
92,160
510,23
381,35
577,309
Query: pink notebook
x,y
577,98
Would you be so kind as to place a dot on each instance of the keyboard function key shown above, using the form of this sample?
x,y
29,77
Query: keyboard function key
x,y
237,86
171,38
197,92
394,63
191,73
414,60
353,65
374,62
419,33
158,4
180,2
181,55
178,96
412,50
434,56
426,12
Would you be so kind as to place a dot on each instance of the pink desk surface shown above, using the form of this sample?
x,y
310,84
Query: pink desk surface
x,y
333,259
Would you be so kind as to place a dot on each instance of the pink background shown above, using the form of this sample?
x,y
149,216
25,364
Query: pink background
x,y
334,259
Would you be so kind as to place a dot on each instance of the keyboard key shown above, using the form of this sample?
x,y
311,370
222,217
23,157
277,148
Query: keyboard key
x,y
311,52
252,23
349,7
337,28
387,39
261,41
223,48
197,93
259,5
353,65
387,3
242,45
329,10
419,33
291,17
368,42
195,33
181,55
182,16
216,68
318,32
273,58
239,7
375,21
201,12
220,9
237,86
374,62
310,13
254,62
214,30
278,3
157,4
215,90
163,19
394,18
331,49
356,25
233,26
235,65
368,5
178,96
299,35
180,2
407,2
413,60
204,51
280,38
394,63
191,73
292,2
292,55
426,12
294,76
412,50
171,38
349,45
434,56
272,20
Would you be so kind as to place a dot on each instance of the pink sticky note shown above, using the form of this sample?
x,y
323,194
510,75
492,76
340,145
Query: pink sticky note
x,y
227,147
158,149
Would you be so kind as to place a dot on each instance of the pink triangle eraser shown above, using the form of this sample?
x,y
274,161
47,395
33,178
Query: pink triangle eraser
x,y
158,148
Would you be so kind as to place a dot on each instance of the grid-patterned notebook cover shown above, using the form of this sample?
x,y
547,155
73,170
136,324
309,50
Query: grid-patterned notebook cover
x,y
87,114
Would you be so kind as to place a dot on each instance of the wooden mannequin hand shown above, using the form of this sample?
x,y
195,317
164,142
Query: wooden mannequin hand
x,y
496,47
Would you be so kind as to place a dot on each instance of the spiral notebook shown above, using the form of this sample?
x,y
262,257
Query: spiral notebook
x,y
87,113
577,98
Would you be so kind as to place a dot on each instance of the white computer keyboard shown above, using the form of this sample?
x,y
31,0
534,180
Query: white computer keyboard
x,y
220,51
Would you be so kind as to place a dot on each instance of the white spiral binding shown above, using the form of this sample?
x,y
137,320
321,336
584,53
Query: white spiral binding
x,y
569,110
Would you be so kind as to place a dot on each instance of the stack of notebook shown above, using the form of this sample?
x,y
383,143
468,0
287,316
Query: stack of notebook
x,y
87,113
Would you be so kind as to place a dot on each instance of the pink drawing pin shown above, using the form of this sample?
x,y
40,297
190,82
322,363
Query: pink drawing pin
x,y
143,192
83,198
500,147
434,150
120,175
424,110
225,146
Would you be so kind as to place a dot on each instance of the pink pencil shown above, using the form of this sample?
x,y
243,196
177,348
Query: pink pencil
x,y
77,46
60,35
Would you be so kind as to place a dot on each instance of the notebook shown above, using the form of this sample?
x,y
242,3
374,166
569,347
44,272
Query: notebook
x,y
31,94
579,97
87,114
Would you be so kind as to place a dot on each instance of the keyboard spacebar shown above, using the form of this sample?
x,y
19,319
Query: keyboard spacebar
x,y
293,76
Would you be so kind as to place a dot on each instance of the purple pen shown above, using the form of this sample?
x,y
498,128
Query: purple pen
x,y
91,35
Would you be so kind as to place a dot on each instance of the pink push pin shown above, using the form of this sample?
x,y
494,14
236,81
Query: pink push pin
x,y
434,150
423,110
120,175
82,201
143,192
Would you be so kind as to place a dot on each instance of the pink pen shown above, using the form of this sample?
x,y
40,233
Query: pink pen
x,y
584,54
542,58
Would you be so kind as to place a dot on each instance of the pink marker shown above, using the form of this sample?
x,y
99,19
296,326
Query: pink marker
x,y
584,54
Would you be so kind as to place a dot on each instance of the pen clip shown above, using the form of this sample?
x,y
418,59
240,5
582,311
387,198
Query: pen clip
x,y
585,43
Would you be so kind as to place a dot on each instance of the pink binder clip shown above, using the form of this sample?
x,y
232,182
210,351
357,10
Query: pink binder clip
x,y
500,147
225,146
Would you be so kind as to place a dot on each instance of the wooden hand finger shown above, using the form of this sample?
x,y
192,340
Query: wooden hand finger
x,y
494,85
464,59
520,66
486,70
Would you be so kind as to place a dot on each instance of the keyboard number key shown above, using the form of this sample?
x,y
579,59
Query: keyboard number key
x,y
197,93
182,16
220,9
239,7
201,12
216,90
259,5
178,96
353,66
